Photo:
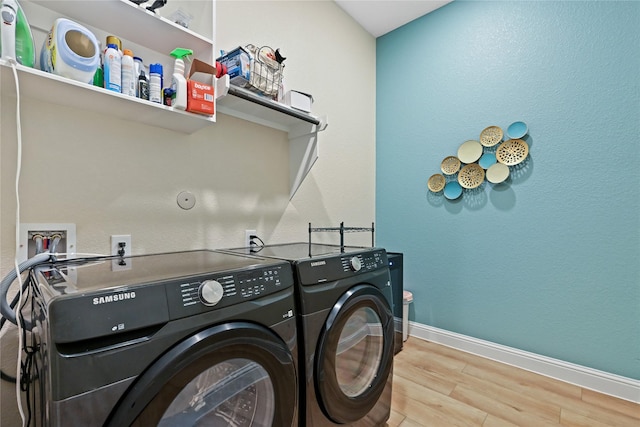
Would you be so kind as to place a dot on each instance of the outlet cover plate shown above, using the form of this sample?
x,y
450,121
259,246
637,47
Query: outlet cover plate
x,y
247,237
118,264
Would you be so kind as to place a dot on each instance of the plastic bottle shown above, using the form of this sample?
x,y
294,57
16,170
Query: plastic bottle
x,y
115,40
178,81
168,96
129,78
137,66
98,77
112,69
155,83
143,86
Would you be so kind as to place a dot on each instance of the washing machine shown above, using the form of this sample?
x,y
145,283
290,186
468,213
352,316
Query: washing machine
x,y
346,330
194,338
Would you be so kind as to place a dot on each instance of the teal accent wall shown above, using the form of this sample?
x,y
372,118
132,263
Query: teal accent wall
x,y
550,261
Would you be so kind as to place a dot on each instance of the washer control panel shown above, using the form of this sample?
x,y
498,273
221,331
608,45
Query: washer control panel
x,y
201,294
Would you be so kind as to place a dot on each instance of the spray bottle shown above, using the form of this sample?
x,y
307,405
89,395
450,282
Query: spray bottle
x,y
129,76
155,83
112,69
178,80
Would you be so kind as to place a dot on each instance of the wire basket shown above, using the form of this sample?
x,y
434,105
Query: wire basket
x,y
266,73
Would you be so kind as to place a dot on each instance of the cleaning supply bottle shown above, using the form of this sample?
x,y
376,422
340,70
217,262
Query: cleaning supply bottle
x,y
16,39
98,76
143,86
137,66
129,78
112,68
155,83
178,81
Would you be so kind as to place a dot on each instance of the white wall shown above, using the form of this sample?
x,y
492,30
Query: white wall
x,y
111,176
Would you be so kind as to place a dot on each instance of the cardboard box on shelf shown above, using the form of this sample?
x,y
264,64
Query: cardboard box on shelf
x,y
238,63
200,88
298,100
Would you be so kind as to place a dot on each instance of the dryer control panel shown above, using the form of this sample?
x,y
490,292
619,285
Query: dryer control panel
x,y
211,292
364,262
340,266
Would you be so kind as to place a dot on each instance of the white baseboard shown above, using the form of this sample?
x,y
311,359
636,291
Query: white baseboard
x,y
582,376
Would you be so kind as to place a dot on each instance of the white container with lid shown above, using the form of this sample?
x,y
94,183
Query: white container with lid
x,y
70,50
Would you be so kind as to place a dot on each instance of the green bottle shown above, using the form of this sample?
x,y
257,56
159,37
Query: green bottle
x,y
98,76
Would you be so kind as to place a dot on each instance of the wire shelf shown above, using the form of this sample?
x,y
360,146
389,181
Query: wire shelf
x,y
342,230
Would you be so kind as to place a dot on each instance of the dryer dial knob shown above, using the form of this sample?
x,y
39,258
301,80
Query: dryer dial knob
x,y
211,292
355,263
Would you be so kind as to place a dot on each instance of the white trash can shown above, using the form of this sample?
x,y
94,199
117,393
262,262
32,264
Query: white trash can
x,y
407,298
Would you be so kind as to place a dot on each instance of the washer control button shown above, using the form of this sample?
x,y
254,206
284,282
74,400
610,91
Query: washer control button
x,y
211,292
355,263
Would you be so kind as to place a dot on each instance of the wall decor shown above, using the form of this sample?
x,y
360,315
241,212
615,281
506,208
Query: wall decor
x,y
491,136
512,152
487,159
471,176
436,182
470,152
497,173
450,165
452,190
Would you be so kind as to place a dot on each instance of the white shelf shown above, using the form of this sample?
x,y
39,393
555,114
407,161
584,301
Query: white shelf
x,y
244,104
155,37
58,90
301,127
132,22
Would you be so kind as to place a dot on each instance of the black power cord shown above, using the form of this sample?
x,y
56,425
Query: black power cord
x,y
8,378
4,376
253,246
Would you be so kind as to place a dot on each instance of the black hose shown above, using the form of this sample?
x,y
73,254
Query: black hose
x,y
13,303
5,308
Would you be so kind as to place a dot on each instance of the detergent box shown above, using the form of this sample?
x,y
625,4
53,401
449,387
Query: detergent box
x,y
200,88
238,63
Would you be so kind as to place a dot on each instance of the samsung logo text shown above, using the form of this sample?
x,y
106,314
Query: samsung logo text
x,y
114,298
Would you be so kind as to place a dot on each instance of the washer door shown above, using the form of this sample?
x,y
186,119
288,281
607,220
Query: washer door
x,y
354,354
237,374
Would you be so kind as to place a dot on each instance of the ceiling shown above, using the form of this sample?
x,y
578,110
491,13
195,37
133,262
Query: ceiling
x,y
379,17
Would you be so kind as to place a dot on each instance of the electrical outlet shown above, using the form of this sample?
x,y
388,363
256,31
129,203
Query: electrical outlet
x,y
43,237
121,246
247,237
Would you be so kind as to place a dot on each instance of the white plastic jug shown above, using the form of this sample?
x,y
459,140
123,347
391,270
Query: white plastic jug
x,y
70,50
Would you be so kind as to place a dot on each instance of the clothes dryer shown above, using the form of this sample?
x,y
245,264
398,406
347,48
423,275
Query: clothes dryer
x,y
178,339
346,332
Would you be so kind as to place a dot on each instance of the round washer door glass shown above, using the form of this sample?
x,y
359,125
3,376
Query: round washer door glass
x,y
354,355
233,374
236,392
359,351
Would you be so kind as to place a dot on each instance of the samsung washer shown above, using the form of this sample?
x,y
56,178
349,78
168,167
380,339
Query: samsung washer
x,y
346,329
178,339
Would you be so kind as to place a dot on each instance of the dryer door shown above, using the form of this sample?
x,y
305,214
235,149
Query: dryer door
x,y
354,354
236,374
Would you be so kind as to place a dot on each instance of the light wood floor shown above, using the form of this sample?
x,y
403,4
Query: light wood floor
x,y
435,385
